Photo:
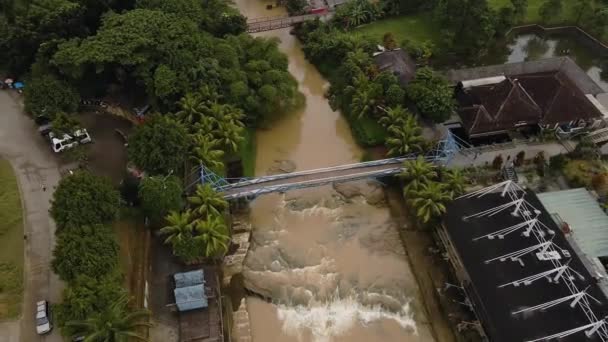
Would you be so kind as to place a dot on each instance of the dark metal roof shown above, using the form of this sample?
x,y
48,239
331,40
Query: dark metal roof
x,y
397,62
564,64
493,304
546,98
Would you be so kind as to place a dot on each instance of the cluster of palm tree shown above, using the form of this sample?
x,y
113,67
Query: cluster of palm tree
x,y
201,231
215,128
428,188
404,132
358,12
117,323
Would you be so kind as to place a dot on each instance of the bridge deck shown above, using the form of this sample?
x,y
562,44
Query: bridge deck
x,y
311,179
275,23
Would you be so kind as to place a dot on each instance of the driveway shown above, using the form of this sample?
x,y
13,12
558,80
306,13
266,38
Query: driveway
x,y
36,168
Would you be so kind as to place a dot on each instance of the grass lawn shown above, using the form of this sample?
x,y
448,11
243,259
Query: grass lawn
x,y
247,150
533,6
367,131
419,27
11,244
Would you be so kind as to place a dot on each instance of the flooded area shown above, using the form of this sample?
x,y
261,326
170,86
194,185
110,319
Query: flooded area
x,y
531,46
328,261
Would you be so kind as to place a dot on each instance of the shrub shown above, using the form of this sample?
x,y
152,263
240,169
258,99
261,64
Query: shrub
x,y
497,162
47,95
84,199
88,250
159,195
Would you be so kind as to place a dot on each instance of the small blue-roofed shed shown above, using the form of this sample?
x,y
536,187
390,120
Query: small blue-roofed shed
x,y
186,279
190,290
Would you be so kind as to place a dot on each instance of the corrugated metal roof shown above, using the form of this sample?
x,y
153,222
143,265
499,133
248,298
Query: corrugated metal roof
x,y
186,279
582,212
190,298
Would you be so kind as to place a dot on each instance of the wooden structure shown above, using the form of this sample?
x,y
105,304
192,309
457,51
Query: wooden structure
x,y
204,325
275,23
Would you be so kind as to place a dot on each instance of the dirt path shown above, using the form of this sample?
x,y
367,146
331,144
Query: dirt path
x,y
428,275
37,174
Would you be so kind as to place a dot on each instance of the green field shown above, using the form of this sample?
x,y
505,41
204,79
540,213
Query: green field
x,y
421,27
418,27
11,244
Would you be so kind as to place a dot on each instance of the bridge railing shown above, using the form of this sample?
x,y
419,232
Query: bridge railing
x,y
311,183
263,179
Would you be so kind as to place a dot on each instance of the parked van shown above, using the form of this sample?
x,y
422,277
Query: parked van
x,y
80,136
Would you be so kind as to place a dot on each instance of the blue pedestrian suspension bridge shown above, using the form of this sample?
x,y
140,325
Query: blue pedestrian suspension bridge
x,y
253,187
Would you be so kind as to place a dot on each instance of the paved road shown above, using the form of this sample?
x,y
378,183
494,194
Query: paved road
x,y
36,167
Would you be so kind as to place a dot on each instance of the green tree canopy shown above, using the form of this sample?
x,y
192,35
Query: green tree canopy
x,y
207,202
159,195
84,199
85,296
550,10
429,201
34,22
88,250
212,234
47,95
416,173
469,25
115,323
159,146
432,95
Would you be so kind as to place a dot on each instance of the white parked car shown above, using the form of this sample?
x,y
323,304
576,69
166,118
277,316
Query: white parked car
x,y
43,320
80,136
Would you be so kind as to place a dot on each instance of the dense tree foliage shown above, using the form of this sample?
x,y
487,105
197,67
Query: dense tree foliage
x,y
432,95
469,25
28,24
357,12
47,95
115,323
214,16
550,9
84,199
88,250
159,195
159,146
296,7
193,237
86,296
206,202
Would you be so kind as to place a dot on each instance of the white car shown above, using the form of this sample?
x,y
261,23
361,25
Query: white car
x,y
43,321
66,142
80,136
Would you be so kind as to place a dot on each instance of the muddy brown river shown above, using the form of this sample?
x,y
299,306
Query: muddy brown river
x,y
329,259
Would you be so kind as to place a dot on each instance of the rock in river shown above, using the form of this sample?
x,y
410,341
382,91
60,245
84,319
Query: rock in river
x,y
371,190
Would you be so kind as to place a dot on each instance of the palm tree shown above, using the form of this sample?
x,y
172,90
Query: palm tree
x,y
229,135
115,324
207,202
179,226
429,201
213,234
206,152
364,101
405,138
417,172
191,109
394,116
454,180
